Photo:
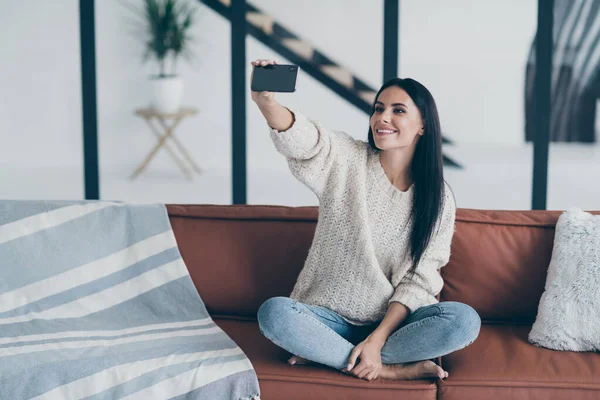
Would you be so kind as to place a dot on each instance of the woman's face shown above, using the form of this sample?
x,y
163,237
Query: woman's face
x,y
396,121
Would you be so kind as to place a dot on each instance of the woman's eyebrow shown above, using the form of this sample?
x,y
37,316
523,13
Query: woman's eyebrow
x,y
393,105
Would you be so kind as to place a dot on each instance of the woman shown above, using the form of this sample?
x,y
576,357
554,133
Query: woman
x,y
365,301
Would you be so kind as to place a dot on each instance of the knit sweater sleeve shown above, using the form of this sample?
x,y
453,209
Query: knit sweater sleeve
x,y
313,151
421,288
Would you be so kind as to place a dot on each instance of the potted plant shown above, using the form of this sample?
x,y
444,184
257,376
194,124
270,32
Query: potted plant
x,y
166,30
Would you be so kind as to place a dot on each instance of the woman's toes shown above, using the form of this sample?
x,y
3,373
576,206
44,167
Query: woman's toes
x,y
295,360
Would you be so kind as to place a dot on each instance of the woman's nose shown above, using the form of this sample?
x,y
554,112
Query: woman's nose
x,y
385,117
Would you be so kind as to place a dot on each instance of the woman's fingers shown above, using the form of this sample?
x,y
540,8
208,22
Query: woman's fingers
x,y
364,373
261,97
371,376
361,370
353,356
263,62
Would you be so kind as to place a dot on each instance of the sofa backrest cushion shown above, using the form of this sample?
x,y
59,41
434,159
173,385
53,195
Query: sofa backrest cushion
x,y
239,256
498,262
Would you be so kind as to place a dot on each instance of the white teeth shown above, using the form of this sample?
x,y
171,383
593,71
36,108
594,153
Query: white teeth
x,y
385,131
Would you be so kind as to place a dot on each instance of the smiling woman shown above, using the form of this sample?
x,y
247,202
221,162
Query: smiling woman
x,y
412,153
365,301
392,117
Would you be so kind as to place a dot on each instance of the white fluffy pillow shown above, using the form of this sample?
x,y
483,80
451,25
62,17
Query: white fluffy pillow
x,y
569,312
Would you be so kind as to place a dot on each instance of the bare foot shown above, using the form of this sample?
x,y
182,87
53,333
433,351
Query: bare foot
x,y
295,360
422,369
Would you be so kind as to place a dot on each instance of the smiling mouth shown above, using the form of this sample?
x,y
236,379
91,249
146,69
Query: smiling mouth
x,y
383,132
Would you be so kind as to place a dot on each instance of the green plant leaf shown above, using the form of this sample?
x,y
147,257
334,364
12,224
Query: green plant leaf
x,y
166,30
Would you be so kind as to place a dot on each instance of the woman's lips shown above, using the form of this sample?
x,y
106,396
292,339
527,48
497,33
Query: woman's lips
x,y
385,132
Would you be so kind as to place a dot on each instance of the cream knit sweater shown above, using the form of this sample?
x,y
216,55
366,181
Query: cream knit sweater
x,y
360,253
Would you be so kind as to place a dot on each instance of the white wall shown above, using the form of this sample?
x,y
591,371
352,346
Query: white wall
x,y
465,51
471,54
462,50
123,87
40,83
350,32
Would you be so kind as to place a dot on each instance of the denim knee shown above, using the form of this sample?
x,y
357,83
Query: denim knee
x,y
272,311
465,322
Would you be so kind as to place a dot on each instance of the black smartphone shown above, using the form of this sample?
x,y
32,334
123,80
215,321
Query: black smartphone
x,y
275,78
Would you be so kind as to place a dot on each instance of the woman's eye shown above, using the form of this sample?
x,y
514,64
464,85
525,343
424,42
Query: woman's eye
x,y
398,110
378,109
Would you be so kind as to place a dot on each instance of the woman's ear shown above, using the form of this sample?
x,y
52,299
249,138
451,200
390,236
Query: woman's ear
x,y
422,131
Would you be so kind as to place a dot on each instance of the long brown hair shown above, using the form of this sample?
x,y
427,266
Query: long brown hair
x,y
426,168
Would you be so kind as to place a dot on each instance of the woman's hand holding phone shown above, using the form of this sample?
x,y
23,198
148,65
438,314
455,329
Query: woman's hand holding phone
x,y
277,116
262,99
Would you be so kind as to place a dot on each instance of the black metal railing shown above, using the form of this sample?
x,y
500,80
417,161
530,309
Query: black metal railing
x,y
312,61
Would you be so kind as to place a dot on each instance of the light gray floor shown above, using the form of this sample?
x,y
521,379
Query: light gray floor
x,y
493,178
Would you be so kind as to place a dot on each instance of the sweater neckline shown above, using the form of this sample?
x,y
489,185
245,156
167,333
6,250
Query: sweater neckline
x,y
384,183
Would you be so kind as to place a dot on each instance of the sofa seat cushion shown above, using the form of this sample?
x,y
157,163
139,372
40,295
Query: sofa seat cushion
x,y
278,380
502,364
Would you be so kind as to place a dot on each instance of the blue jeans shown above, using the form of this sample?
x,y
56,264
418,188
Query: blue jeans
x,y
323,336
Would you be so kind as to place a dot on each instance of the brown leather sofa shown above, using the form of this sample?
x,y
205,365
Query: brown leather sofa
x,y
239,256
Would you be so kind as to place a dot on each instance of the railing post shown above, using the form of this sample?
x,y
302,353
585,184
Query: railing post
x,y
238,101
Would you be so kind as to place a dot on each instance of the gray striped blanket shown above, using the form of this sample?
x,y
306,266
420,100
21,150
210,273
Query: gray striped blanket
x,y
97,303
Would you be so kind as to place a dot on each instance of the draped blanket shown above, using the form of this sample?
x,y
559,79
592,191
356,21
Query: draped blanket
x,y
97,303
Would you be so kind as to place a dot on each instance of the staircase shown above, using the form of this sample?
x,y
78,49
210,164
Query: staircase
x,y
316,64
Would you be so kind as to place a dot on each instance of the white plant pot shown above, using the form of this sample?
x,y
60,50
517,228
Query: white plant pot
x,y
167,94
